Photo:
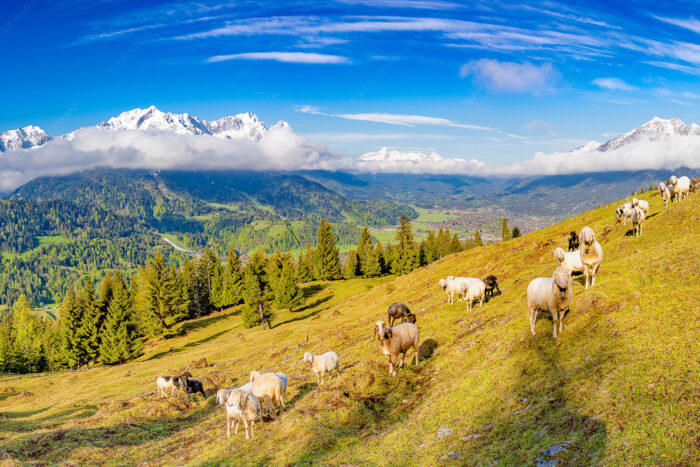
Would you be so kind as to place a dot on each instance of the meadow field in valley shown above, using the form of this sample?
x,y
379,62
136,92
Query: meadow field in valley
x,y
618,387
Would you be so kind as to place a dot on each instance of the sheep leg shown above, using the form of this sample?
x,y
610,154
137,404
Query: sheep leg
x,y
172,391
561,320
228,425
247,432
270,406
403,357
555,318
415,349
533,318
251,428
235,428
585,273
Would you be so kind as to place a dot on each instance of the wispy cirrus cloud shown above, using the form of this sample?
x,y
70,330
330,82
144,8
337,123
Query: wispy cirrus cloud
x,y
613,84
408,4
287,57
691,24
394,119
510,76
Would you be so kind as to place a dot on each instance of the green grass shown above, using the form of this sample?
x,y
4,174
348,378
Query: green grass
x,y
619,386
39,241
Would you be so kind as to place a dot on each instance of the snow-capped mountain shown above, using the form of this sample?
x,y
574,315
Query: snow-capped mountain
x,y
245,125
588,147
388,155
23,138
655,129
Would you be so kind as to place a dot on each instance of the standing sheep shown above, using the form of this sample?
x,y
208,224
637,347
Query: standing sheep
x,y
396,311
473,289
550,294
638,218
397,340
681,186
242,406
666,193
268,388
451,287
573,241
591,255
624,212
569,260
491,283
169,382
642,204
322,364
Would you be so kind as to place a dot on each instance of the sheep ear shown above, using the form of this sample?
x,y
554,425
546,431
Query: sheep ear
x,y
242,401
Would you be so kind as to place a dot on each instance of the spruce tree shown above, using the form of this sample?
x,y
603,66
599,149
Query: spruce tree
x,y
69,324
455,244
105,295
442,241
25,340
327,264
287,292
120,339
516,232
477,238
256,293
232,283
431,248
351,268
89,330
505,233
199,288
364,248
304,270
7,346
374,264
406,255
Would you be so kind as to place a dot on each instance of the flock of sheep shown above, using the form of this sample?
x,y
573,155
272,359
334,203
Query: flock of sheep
x,y
553,294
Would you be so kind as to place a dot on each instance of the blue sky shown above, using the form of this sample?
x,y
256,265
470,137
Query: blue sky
x,y
496,81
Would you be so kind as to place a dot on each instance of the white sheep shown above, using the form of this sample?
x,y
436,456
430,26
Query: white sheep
x,y
681,186
169,382
472,289
591,255
322,364
624,212
571,260
397,340
638,218
642,204
269,388
451,287
666,193
242,406
223,393
551,294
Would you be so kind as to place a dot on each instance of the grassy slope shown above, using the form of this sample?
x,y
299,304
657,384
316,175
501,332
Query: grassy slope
x,y
621,386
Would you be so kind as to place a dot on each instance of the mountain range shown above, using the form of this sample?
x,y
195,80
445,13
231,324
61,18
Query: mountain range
x,y
243,125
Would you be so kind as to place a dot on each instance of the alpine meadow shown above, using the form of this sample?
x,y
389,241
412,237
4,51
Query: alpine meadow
x,y
470,238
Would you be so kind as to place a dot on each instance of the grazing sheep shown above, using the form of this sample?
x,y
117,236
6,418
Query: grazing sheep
x,y
591,254
397,310
397,340
571,260
193,386
169,382
624,213
409,318
638,218
643,205
681,186
551,294
222,394
242,406
451,287
491,283
573,241
322,364
666,193
472,289
269,388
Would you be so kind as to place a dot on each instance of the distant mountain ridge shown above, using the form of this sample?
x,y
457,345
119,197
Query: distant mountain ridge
x,y
243,125
656,129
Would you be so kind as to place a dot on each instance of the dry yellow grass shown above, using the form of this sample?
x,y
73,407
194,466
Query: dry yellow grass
x,y
620,387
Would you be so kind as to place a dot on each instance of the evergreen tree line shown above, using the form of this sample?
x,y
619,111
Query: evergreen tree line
x,y
107,321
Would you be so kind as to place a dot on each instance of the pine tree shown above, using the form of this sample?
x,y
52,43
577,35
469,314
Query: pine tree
x,y
304,269
364,248
89,330
516,232
431,248
455,244
374,264
287,292
7,345
651,187
641,189
327,264
232,283
120,340
256,293
70,323
199,288
105,295
406,255
477,238
351,268
505,233
25,329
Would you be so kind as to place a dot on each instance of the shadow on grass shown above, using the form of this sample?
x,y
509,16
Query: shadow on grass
x,y
204,322
313,304
426,349
52,446
313,289
303,390
189,345
10,421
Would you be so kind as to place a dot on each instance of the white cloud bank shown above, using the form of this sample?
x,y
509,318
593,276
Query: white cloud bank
x,y
282,149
